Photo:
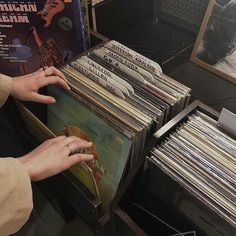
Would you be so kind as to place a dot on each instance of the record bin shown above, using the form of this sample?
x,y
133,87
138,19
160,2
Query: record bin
x,y
149,202
65,191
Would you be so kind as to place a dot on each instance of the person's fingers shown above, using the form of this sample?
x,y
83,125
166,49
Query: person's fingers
x,y
36,97
78,145
76,158
72,139
54,71
54,80
42,68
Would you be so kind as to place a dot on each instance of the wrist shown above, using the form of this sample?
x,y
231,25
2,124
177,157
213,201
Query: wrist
x,y
13,89
5,87
28,166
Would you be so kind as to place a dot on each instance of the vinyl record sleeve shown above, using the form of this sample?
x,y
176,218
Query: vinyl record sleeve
x,y
131,115
201,188
146,93
116,101
119,113
166,169
93,97
200,159
201,174
113,147
38,33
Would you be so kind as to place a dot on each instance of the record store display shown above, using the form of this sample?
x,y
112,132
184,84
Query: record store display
x,y
201,158
119,98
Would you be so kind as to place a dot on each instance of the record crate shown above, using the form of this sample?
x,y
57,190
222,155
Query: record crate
x,y
67,193
150,202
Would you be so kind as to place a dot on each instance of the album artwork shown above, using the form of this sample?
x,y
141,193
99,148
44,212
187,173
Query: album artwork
x,y
110,147
34,34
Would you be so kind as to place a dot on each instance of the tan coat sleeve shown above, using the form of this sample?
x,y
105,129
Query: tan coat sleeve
x,y
15,188
15,196
5,88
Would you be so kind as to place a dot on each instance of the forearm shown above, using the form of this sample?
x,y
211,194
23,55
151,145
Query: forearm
x,y
5,88
15,196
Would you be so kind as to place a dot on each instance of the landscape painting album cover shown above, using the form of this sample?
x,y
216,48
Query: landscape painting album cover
x,y
111,147
34,34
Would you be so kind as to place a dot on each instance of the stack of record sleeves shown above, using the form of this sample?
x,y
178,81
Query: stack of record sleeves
x,y
119,99
202,158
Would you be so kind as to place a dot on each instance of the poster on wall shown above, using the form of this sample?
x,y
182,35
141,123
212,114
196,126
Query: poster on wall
x,y
34,34
215,48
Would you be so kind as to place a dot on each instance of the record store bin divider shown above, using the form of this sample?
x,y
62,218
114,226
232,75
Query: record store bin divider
x,y
152,202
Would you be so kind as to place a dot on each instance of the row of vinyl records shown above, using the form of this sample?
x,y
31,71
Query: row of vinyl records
x,y
119,98
201,157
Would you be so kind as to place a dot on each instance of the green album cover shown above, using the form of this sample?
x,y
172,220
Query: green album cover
x,y
112,146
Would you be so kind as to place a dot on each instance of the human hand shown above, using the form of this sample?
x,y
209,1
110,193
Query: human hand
x,y
26,87
54,156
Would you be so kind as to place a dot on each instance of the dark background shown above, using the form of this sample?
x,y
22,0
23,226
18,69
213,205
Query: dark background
x,y
165,31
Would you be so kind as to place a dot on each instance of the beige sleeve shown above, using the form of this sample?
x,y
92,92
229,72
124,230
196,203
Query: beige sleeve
x,y
5,88
15,196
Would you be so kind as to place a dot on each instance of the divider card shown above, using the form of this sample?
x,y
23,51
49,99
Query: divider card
x,y
108,73
134,56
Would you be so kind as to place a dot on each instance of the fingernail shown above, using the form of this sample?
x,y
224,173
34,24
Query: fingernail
x,y
90,143
91,157
53,100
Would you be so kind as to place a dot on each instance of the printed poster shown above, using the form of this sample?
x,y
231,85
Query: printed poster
x,y
34,34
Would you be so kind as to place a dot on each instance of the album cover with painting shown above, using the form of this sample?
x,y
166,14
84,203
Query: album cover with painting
x,y
111,148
